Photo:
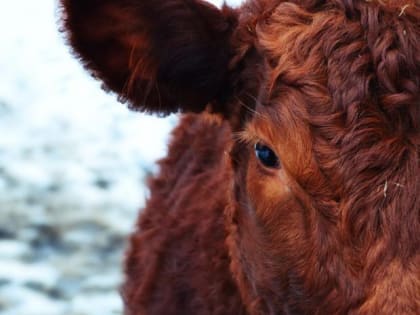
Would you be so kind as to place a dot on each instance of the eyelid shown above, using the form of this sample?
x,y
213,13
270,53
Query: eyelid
x,y
250,138
247,137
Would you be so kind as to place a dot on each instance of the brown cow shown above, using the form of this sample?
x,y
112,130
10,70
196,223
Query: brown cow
x,y
292,183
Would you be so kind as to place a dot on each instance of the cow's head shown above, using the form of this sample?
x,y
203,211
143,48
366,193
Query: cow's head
x,y
324,102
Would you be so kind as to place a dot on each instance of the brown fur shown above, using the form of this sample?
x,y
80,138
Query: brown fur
x,y
333,87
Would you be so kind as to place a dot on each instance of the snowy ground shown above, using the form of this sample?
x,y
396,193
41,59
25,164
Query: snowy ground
x,y
72,165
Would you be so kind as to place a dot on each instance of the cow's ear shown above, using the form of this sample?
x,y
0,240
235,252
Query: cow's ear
x,y
159,56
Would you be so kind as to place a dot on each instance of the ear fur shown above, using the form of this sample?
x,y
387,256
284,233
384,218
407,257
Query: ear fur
x,y
159,56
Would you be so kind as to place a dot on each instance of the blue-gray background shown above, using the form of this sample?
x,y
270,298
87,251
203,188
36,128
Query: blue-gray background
x,y
72,169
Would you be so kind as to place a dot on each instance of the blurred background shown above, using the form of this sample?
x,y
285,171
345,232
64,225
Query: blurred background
x,y
72,168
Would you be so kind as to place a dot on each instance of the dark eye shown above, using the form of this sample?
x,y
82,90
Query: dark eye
x,y
267,157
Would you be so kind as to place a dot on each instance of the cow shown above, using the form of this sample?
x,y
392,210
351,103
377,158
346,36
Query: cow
x,y
292,182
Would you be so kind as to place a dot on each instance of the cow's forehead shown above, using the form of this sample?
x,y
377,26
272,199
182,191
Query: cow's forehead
x,y
327,77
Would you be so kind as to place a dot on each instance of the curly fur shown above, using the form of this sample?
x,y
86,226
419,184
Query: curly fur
x,y
333,87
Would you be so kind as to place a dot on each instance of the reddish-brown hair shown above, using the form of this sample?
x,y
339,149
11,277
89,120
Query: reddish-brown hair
x,y
332,89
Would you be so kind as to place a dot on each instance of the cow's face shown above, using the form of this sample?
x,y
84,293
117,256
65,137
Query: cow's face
x,y
326,203
323,100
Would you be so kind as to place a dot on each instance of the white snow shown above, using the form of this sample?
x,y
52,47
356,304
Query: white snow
x,y
17,300
11,250
20,273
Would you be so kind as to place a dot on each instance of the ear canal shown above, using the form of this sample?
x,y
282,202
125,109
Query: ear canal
x,y
159,56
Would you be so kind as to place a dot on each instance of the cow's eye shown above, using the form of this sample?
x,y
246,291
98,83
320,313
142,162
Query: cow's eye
x,y
267,157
